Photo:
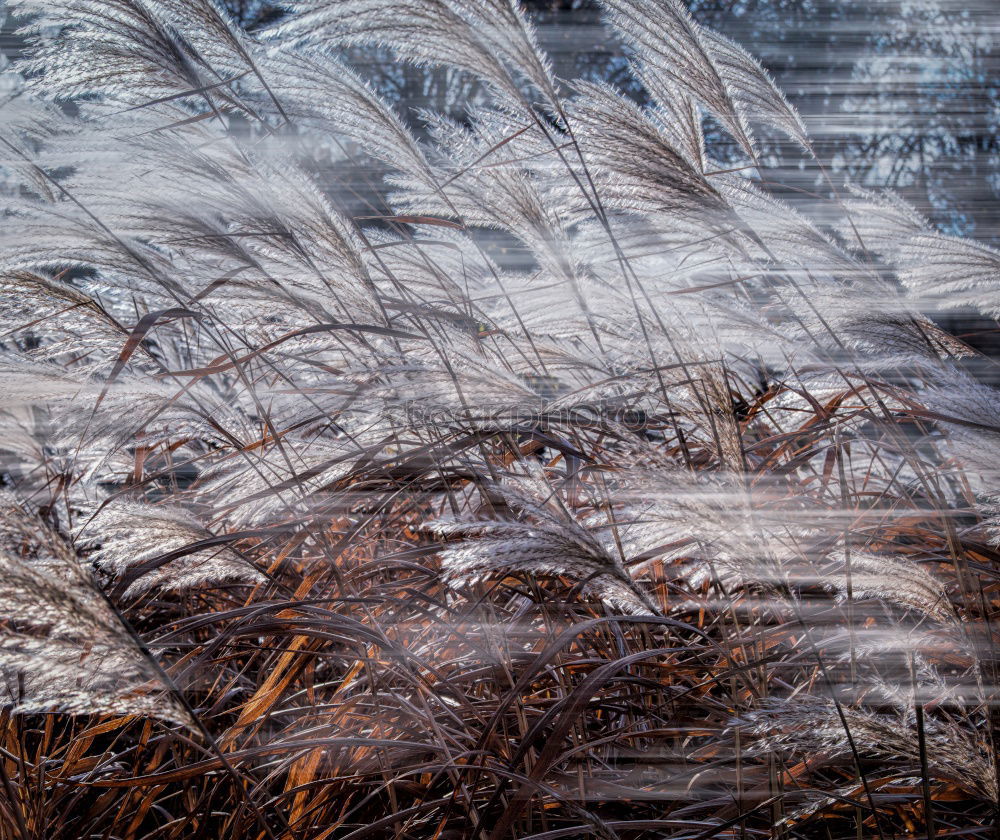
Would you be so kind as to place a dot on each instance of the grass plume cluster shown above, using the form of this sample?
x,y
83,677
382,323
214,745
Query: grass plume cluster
x,y
579,487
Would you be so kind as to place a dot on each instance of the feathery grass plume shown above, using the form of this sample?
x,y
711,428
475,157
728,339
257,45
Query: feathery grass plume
x,y
259,488
879,221
318,92
677,114
953,272
783,233
214,36
647,173
61,647
506,29
128,534
897,582
751,88
55,319
723,531
811,725
942,270
509,196
545,539
491,39
970,413
126,49
671,45
878,325
27,380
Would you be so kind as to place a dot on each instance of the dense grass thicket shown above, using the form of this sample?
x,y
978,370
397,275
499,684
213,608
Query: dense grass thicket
x,y
579,487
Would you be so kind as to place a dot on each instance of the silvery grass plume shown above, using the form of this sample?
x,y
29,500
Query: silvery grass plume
x,y
492,39
62,648
813,727
863,576
131,534
544,538
947,271
560,344
713,524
